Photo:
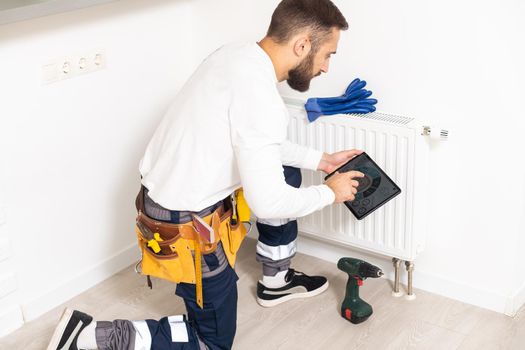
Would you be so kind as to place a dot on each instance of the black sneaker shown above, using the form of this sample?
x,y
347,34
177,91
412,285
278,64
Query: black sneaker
x,y
69,327
299,286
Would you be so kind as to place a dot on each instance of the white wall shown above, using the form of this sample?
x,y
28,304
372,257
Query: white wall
x,y
452,63
70,171
519,268
73,147
233,20
10,311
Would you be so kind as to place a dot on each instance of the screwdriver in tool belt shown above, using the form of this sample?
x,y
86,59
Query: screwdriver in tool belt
x,y
233,220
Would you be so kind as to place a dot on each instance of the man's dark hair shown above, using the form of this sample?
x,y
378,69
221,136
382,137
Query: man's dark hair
x,y
294,16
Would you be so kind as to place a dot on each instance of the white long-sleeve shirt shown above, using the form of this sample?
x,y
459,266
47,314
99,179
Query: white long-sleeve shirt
x,y
225,129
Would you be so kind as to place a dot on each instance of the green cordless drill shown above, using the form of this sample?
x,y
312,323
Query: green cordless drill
x,y
355,309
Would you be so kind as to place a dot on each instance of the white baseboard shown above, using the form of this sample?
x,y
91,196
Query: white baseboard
x,y
80,283
516,302
10,319
422,280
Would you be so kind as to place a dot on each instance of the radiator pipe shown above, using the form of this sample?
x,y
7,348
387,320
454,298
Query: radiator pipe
x,y
410,270
397,264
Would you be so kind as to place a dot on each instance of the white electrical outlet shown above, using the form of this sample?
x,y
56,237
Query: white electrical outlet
x,y
73,65
5,251
7,284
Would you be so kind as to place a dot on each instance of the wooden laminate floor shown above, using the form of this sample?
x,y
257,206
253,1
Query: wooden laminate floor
x,y
429,322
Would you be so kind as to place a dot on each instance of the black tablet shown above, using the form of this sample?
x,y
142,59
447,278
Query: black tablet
x,y
374,190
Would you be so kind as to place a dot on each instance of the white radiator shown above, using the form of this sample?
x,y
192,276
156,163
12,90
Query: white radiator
x,y
396,144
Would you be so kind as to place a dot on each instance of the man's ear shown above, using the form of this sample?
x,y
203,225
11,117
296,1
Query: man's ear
x,y
302,46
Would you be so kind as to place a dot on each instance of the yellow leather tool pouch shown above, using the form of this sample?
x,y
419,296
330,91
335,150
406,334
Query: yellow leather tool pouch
x,y
176,266
175,243
174,262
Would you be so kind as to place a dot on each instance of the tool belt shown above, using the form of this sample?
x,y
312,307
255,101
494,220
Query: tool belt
x,y
173,251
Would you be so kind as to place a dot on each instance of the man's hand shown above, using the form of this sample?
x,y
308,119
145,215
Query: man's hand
x,y
344,185
330,162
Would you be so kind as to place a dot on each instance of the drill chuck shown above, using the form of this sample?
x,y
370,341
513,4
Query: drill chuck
x,y
369,270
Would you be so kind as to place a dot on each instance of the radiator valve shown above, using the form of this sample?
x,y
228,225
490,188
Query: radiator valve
x,y
435,133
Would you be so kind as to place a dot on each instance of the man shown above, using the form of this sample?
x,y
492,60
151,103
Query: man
x,y
226,129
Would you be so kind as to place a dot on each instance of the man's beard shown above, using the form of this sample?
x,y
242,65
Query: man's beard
x,y
299,78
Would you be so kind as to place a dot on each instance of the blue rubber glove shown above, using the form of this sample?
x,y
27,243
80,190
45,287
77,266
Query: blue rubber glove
x,y
353,91
354,100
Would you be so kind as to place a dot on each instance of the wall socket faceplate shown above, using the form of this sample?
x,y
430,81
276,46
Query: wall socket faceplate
x,y
73,65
